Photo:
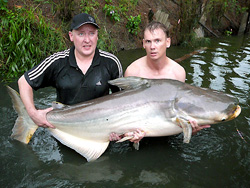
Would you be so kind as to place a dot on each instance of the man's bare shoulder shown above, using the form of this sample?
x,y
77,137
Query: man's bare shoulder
x,y
139,62
134,68
178,70
176,65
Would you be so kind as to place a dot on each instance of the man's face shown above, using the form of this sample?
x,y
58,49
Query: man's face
x,y
155,43
85,39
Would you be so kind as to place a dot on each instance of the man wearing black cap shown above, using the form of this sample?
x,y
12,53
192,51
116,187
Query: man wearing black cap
x,y
79,74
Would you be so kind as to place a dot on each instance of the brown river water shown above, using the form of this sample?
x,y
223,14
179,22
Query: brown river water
x,y
215,157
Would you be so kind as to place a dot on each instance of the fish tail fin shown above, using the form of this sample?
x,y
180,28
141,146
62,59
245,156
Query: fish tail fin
x,y
24,127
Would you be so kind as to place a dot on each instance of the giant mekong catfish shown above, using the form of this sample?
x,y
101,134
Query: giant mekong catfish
x,y
159,107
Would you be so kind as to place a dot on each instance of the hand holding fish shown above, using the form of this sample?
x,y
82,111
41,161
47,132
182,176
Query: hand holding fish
x,y
196,128
134,136
115,137
39,118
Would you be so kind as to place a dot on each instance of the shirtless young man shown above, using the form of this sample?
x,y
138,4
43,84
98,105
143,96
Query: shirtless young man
x,y
156,65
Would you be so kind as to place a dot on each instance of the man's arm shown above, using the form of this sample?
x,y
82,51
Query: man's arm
x,y
38,116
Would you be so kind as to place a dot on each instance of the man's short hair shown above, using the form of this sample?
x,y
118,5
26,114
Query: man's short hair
x,y
157,25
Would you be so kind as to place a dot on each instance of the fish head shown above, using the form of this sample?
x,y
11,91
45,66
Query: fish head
x,y
207,106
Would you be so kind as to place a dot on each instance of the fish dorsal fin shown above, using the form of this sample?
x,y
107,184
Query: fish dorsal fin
x,y
131,82
90,149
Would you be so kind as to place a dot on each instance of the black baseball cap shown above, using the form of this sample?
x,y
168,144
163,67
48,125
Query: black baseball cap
x,y
81,19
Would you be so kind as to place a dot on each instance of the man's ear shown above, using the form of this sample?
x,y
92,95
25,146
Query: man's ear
x,y
71,36
168,42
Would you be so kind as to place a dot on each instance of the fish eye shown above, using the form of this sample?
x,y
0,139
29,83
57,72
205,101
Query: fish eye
x,y
223,119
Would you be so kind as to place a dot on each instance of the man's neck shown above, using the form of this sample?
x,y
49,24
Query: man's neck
x,y
83,59
157,64
84,62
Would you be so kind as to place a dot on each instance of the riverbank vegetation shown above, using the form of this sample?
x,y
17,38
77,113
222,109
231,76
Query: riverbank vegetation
x,y
32,30
194,14
25,38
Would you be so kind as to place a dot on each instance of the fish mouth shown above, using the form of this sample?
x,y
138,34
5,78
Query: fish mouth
x,y
236,113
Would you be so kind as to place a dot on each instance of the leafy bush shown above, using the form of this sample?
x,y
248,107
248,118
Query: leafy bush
x,y
112,11
26,39
133,24
105,41
89,6
3,4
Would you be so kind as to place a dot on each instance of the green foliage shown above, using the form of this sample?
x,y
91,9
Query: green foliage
x,y
220,7
228,33
26,39
3,4
105,41
112,11
129,4
42,1
116,12
89,6
232,6
133,24
134,2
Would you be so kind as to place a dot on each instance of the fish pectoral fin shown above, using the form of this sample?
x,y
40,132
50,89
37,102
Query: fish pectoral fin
x,y
187,129
136,145
90,149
